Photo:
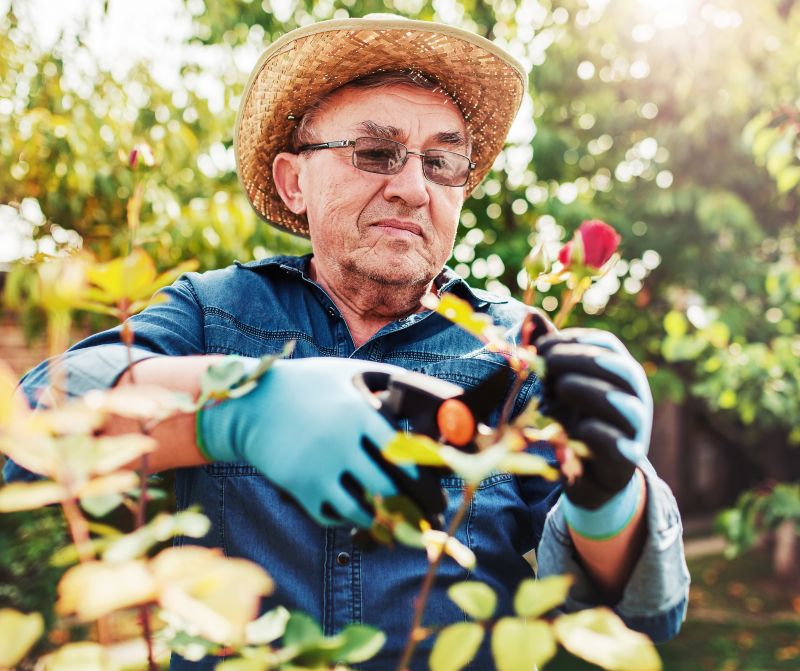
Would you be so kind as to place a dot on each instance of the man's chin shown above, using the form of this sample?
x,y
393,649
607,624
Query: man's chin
x,y
395,272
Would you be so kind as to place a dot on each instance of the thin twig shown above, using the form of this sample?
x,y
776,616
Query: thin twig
x,y
430,577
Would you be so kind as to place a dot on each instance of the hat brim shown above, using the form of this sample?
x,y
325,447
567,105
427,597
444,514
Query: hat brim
x,y
306,64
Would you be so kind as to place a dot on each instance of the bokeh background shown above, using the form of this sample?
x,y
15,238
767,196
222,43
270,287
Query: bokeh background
x,y
676,121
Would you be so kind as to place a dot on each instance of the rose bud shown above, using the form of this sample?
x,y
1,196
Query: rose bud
x,y
599,241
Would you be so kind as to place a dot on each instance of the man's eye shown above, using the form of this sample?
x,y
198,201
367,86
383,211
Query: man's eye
x,y
377,154
437,163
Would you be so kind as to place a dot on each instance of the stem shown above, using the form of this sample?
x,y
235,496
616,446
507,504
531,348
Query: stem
x,y
78,529
147,632
567,303
141,508
430,577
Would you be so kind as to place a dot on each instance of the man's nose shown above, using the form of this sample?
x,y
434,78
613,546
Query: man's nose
x,y
408,185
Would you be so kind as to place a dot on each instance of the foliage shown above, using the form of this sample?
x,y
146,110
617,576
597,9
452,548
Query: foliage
x,y
757,512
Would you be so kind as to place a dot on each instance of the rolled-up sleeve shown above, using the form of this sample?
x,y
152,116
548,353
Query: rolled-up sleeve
x,y
172,327
656,597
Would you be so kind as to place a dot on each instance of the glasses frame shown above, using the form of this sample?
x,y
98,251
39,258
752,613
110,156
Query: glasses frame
x,y
339,144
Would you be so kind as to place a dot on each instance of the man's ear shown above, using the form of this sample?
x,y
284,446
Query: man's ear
x,y
286,173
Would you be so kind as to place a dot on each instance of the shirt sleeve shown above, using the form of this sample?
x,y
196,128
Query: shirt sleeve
x,y
173,327
656,597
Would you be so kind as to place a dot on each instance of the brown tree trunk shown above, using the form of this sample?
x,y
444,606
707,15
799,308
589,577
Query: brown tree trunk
x,y
784,553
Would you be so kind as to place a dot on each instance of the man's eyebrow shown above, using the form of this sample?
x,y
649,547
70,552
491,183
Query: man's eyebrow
x,y
377,130
451,137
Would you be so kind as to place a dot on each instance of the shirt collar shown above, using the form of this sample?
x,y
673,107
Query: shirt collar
x,y
447,280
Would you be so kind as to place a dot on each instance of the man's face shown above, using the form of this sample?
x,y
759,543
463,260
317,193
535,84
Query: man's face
x,y
391,229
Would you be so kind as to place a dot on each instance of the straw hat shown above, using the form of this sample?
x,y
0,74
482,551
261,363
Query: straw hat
x,y
304,65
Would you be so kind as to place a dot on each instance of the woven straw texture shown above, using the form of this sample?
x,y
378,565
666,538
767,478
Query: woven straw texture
x,y
304,65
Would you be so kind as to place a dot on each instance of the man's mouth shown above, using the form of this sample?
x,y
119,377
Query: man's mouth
x,y
399,228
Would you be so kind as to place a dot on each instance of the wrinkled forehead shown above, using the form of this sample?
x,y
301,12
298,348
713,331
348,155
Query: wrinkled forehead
x,y
406,109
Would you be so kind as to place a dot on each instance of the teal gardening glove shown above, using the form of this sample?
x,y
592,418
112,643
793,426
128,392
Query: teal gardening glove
x,y
311,432
600,394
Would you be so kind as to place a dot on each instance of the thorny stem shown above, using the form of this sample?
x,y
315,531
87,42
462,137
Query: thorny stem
x,y
430,577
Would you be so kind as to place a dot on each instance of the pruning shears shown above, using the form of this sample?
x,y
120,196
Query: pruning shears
x,y
441,410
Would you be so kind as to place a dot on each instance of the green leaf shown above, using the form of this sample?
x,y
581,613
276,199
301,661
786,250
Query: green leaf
x,y
788,178
161,528
100,506
518,645
269,627
600,637
302,631
360,644
476,599
218,378
536,597
407,534
455,646
675,324
20,632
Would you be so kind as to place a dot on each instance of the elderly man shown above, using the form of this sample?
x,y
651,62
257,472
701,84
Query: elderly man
x,y
366,135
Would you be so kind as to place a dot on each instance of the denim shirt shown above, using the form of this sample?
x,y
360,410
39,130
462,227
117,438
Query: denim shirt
x,y
255,309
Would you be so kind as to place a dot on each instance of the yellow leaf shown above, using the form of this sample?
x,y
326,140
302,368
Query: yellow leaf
x,y
522,463
518,645
19,633
139,402
95,588
536,597
169,276
12,407
113,452
34,453
435,541
62,282
216,594
412,448
70,419
599,636
455,646
30,495
83,656
115,483
125,278
460,312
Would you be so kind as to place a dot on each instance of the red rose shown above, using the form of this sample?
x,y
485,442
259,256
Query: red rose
x,y
600,241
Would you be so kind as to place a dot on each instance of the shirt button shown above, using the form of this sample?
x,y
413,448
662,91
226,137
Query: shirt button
x,y
331,312
343,559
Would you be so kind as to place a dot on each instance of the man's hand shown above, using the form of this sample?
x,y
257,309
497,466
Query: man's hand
x,y
600,394
312,433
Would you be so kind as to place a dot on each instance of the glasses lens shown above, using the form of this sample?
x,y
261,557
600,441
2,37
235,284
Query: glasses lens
x,y
445,167
375,154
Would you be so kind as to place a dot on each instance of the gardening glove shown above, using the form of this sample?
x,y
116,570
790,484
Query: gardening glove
x,y
311,432
600,394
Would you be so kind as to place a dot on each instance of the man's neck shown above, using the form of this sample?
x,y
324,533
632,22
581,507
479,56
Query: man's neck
x,y
366,305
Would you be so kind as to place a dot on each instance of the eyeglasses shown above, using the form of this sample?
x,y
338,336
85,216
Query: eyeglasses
x,y
387,157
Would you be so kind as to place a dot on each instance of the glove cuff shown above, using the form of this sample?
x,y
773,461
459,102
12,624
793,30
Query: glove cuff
x,y
215,423
609,519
